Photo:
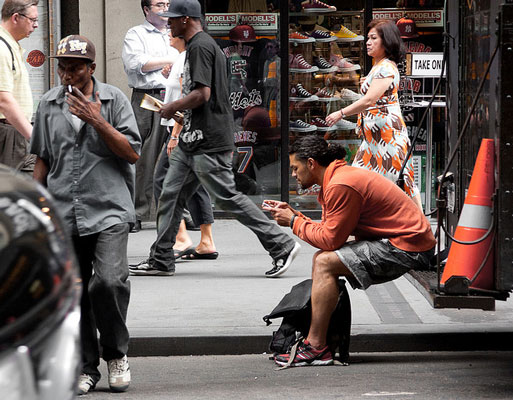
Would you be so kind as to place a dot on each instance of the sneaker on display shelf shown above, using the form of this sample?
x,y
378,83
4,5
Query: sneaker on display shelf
x,y
348,94
346,35
299,37
299,64
343,64
322,36
299,93
344,125
316,6
322,125
325,95
323,65
301,126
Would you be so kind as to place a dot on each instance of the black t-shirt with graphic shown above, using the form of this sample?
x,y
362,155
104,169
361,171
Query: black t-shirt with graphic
x,y
209,127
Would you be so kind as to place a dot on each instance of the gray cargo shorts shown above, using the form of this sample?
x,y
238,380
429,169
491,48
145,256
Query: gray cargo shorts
x,y
377,261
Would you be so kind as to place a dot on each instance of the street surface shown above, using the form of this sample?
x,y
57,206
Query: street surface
x,y
423,376
216,307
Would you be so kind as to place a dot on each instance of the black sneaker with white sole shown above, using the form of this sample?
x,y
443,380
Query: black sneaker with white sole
x,y
144,268
299,93
301,126
280,265
323,65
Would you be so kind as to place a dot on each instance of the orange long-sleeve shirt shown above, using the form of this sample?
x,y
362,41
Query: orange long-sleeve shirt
x,y
362,203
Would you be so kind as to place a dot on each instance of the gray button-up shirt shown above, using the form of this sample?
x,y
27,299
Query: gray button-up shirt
x,y
92,186
142,43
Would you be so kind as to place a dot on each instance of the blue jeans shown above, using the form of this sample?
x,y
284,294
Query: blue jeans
x,y
105,295
214,172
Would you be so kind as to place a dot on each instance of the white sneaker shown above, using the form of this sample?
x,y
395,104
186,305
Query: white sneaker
x,y
85,384
119,374
348,94
280,265
344,125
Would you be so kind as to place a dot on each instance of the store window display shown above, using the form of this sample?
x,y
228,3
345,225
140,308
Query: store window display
x,y
325,58
414,94
253,66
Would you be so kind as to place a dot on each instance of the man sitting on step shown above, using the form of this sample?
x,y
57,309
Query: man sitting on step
x,y
392,235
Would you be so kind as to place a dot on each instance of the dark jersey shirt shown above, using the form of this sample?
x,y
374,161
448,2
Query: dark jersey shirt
x,y
209,127
245,65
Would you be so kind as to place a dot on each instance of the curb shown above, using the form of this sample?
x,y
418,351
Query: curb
x,y
361,343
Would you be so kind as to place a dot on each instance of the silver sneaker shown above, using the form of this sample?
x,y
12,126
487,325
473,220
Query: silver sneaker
x,y
344,125
280,265
119,374
347,94
86,383
144,268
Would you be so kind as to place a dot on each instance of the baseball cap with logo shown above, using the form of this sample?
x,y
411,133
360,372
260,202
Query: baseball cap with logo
x,y
183,8
75,46
407,28
242,33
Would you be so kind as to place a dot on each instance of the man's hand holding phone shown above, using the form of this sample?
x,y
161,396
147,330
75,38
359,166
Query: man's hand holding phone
x,y
268,204
280,211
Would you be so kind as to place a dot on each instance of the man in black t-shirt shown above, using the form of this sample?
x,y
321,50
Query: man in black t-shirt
x,y
204,152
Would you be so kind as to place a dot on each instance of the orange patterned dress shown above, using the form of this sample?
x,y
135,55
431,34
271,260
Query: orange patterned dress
x,y
385,138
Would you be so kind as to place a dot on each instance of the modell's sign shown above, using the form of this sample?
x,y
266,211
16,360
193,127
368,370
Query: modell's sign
x,y
216,22
422,18
265,22
261,22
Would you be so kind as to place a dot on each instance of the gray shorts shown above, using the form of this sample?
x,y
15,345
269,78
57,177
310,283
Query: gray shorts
x,y
377,261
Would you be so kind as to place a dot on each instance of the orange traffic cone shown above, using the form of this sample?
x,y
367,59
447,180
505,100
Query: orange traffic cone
x,y
474,222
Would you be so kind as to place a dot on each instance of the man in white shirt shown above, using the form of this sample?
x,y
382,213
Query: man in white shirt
x,y
19,20
147,57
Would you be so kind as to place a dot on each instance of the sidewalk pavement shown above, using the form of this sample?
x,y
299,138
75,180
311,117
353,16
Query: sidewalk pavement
x,y
216,306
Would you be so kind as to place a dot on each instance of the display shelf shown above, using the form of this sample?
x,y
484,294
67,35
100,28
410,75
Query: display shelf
x,y
326,87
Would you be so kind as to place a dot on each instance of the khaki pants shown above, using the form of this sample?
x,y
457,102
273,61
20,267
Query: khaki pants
x,y
14,150
153,136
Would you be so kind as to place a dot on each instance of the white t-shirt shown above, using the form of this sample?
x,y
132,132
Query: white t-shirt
x,y
173,88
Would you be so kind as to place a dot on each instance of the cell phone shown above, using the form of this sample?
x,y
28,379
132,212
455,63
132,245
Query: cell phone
x,y
70,89
266,204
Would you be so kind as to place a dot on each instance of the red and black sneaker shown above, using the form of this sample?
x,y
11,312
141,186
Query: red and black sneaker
x,y
324,94
305,355
322,125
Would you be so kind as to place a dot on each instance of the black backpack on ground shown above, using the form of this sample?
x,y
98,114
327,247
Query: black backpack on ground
x,y
296,310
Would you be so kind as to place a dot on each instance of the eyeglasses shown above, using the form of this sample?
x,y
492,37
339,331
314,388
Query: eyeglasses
x,y
34,20
161,5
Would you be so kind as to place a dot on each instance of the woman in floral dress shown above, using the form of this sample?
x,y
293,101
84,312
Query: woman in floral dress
x,y
380,122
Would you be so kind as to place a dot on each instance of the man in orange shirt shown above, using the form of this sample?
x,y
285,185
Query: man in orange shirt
x,y
392,235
